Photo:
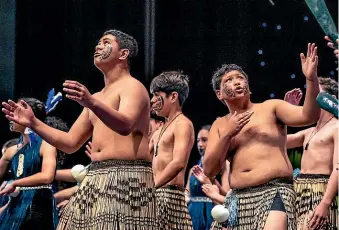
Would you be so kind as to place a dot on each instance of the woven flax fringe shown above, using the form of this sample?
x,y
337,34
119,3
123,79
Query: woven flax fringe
x,y
115,195
254,205
310,189
172,211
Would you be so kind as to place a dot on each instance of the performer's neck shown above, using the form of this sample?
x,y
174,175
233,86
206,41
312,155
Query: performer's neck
x,y
324,117
113,74
174,112
239,106
25,138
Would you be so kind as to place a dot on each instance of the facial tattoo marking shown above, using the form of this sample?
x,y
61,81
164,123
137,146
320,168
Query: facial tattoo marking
x,y
228,90
245,89
106,52
158,104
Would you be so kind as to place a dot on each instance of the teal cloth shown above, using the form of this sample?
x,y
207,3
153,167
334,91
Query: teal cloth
x,y
15,213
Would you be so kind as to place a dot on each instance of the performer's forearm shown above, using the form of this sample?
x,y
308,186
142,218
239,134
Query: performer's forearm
x,y
221,189
34,180
59,139
332,188
65,194
214,158
112,118
218,198
169,173
311,110
64,175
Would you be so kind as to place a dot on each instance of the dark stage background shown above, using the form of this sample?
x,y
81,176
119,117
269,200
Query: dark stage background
x,y
54,41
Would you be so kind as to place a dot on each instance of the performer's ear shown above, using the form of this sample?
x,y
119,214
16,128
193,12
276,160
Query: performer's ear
x,y
218,93
124,54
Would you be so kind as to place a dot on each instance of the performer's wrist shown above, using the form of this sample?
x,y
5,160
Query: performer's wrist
x,y
14,184
325,201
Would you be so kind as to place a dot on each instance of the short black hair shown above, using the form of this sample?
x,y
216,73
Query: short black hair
x,y
125,41
329,85
171,81
205,127
157,118
59,124
220,72
37,106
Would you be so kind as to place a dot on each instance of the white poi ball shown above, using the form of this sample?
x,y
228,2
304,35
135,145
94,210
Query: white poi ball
x,y
220,213
79,172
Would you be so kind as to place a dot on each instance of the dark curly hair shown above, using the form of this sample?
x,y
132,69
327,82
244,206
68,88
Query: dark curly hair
x,y
171,81
59,124
125,41
220,72
329,85
37,106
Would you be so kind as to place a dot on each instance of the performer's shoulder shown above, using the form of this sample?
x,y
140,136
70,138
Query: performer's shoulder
x,y
184,121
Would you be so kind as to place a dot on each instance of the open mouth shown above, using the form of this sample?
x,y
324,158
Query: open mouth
x,y
239,90
97,54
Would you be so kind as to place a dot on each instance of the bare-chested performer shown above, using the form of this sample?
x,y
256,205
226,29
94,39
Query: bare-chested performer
x,y
118,191
253,137
317,184
172,146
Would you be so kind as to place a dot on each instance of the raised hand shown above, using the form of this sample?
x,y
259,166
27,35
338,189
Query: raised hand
x,y
198,172
88,150
78,92
331,45
237,122
310,62
20,112
212,191
294,96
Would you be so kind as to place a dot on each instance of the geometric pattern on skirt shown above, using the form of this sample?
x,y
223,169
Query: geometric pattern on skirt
x,y
310,189
115,194
172,211
254,204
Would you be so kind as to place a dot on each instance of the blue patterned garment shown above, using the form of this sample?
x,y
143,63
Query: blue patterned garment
x,y
200,206
14,216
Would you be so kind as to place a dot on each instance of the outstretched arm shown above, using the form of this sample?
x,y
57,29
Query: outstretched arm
x,y
297,139
69,142
183,143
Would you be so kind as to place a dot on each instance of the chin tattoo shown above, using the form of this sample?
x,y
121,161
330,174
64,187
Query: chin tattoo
x,y
107,52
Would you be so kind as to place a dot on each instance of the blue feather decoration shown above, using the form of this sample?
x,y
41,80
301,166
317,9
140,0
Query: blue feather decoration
x,y
50,96
52,100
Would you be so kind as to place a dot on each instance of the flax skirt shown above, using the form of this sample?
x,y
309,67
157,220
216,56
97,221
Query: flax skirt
x,y
115,194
